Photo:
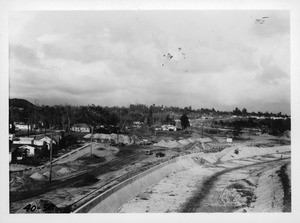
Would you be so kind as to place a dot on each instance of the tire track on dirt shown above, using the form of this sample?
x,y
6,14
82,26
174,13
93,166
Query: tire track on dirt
x,y
196,201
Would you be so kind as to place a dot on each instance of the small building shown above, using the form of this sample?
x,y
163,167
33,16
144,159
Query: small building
x,y
178,124
169,128
29,149
21,126
156,127
229,140
24,141
137,124
17,152
42,141
11,137
81,127
47,139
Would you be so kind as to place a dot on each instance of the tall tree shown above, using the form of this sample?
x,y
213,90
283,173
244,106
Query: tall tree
x,y
244,112
184,121
237,129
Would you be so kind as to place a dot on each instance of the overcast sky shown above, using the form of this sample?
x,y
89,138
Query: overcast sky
x,y
220,59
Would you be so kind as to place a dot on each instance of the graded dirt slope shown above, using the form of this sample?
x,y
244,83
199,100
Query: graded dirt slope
x,y
240,183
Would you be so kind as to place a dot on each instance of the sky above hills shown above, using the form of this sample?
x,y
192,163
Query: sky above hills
x,y
213,59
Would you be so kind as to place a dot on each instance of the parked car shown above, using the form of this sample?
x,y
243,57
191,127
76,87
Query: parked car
x,y
160,154
149,152
146,142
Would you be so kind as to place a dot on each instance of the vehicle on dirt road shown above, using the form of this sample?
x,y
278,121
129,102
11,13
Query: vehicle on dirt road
x,y
160,154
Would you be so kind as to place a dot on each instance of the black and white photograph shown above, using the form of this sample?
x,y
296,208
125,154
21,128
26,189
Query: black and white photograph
x,y
149,111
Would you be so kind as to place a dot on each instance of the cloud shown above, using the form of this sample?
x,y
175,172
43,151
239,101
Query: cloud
x,y
270,72
25,55
116,57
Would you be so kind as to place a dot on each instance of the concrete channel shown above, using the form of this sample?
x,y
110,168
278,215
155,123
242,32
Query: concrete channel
x,y
111,200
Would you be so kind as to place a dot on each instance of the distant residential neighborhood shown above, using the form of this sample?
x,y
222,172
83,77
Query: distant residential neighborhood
x,y
32,126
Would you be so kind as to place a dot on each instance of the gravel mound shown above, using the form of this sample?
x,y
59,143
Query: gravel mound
x,y
168,144
122,138
47,174
87,136
17,181
38,176
64,170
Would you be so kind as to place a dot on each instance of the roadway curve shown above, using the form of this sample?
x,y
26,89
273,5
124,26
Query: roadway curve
x,y
250,184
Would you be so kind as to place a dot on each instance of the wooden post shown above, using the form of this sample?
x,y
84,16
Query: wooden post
x,y
118,137
50,176
28,128
134,136
92,141
202,130
249,131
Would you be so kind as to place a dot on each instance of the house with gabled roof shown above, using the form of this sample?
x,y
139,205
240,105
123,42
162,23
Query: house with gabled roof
x,y
81,127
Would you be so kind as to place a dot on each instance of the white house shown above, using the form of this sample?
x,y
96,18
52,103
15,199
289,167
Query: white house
x,y
21,126
30,149
137,124
229,140
169,128
24,141
11,137
41,141
47,140
81,127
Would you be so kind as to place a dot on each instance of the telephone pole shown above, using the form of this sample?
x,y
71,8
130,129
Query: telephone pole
x,y
51,144
134,136
92,141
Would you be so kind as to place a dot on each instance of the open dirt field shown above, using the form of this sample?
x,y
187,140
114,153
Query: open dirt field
x,y
237,176
79,177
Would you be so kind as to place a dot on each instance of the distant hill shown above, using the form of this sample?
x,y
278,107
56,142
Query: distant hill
x,y
20,103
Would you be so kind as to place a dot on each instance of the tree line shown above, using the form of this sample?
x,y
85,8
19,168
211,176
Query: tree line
x,y
64,116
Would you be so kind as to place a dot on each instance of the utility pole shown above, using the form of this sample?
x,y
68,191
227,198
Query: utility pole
x,y
92,141
28,126
134,136
51,144
249,133
118,131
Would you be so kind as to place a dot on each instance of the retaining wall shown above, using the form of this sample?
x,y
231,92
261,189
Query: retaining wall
x,y
111,200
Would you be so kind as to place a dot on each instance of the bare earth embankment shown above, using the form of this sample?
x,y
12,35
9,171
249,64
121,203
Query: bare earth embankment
x,y
226,182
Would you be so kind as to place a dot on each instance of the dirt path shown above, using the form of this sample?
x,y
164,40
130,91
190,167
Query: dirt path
x,y
232,189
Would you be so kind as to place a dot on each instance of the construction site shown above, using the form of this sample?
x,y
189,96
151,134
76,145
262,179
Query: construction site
x,y
168,171
151,109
